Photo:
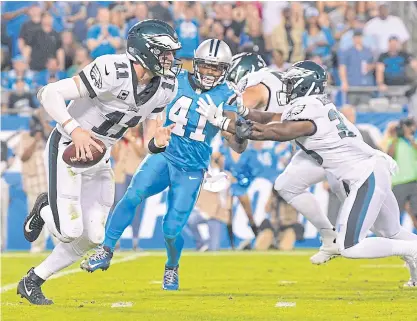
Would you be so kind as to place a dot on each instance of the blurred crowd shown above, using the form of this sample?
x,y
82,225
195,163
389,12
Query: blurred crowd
x,y
360,43
365,49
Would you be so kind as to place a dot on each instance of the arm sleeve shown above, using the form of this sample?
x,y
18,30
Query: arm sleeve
x,y
98,76
54,95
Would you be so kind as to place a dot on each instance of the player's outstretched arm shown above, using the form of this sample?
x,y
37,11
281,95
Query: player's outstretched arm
x,y
236,143
275,131
262,117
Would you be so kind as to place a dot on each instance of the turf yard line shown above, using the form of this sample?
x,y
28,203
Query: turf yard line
x,y
131,257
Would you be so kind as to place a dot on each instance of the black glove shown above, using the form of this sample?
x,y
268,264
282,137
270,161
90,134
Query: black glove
x,y
243,128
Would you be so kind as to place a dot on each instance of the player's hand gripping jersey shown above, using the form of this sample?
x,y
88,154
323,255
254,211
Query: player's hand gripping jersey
x,y
116,100
336,144
189,147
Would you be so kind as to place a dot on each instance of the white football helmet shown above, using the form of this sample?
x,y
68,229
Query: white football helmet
x,y
215,55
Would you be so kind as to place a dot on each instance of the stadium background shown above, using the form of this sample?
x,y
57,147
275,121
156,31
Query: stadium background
x,y
245,26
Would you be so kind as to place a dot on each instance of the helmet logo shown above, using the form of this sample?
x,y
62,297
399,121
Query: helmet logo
x,y
163,41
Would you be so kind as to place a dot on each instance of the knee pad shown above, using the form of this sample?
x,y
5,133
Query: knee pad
x,y
285,189
69,235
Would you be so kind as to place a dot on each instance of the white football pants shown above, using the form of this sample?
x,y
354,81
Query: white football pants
x,y
79,199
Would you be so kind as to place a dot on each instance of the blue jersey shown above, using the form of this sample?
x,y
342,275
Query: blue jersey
x,y
189,147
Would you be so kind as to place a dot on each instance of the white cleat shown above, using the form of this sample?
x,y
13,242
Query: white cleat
x,y
411,262
324,255
329,249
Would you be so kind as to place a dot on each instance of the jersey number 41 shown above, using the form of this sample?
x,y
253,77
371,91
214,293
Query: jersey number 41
x,y
178,114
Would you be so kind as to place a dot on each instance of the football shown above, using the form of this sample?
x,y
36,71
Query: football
x,y
69,155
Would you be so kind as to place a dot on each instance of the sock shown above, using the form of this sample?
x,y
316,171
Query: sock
x,y
328,237
174,248
122,217
307,205
231,236
62,256
377,247
47,216
405,235
254,229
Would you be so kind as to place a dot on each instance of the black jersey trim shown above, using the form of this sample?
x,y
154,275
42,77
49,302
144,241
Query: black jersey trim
x,y
87,84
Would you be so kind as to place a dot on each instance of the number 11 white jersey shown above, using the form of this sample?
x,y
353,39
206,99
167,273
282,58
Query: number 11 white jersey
x,y
116,100
336,144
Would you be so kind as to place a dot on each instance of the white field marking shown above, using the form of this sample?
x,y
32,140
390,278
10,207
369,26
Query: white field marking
x,y
287,282
382,266
155,282
122,305
131,257
285,304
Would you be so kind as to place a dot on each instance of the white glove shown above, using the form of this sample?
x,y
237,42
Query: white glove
x,y
213,113
216,183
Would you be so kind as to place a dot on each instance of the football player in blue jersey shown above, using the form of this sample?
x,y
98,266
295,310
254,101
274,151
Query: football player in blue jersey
x,y
182,164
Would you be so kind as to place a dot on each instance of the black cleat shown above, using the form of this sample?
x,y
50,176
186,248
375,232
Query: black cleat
x,y
32,227
29,287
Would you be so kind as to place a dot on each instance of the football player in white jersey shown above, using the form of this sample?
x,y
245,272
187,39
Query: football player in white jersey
x,y
261,90
109,95
260,86
335,144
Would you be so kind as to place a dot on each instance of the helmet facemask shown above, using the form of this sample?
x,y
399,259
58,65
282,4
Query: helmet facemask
x,y
168,65
209,74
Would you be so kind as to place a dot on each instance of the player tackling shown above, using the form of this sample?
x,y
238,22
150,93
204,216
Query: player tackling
x,y
181,166
261,90
109,95
333,142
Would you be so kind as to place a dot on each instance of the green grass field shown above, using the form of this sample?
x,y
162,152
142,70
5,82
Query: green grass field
x,y
224,286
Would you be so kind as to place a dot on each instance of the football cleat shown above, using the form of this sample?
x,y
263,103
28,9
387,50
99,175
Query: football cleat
x,y
171,279
329,249
411,262
29,288
100,259
33,225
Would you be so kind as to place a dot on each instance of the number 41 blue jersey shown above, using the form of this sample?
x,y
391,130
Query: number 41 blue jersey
x,y
191,138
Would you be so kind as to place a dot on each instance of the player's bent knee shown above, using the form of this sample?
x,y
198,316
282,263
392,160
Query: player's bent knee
x,y
82,245
132,197
64,238
170,230
96,237
70,234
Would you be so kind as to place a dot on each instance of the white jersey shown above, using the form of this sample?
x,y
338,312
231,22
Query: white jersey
x,y
336,144
116,100
270,79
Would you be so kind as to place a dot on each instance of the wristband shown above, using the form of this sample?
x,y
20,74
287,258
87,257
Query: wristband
x,y
224,123
153,148
70,126
243,111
